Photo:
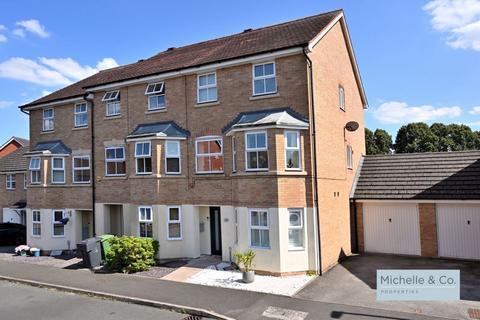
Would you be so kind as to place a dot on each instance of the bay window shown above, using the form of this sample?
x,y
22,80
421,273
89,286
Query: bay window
x,y
259,228
58,170
143,157
172,157
295,228
256,151
292,150
34,168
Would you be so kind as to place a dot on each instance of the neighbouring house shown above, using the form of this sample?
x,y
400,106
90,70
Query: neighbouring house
x,y
13,185
211,148
421,204
13,144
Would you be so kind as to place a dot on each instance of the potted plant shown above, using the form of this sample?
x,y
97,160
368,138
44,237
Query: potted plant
x,y
247,260
22,250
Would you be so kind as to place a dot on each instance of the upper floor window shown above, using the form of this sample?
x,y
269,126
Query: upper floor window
x,y
349,157
259,228
48,116
81,117
172,157
143,155
264,79
145,219
256,151
115,161
11,184
58,224
156,96
81,169
207,88
209,155
34,168
112,99
292,149
58,170
341,97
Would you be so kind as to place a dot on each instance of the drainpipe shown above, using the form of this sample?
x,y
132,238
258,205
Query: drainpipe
x,y
89,98
314,157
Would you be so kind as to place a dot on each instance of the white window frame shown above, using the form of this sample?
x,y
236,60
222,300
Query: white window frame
x,y
274,75
197,155
51,120
298,148
155,93
251,227
300,227
112,98
234,154
36,222
115,160
247,150
77,113
58,169
111,95
81,169
143,156
207,86
35,169
179,221
54,222
349,157
341,97
173,156
113,104
10,181
146,221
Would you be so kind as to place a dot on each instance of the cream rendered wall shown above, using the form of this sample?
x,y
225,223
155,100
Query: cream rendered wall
x,y
46,241
227,215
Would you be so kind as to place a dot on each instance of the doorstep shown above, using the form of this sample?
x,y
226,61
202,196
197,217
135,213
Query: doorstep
x,y
181,274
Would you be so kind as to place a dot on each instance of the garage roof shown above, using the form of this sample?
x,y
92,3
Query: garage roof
x,y
14,161
429,176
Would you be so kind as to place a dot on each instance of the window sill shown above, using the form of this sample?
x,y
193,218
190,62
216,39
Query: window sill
x,y
269,173
260,248
81,184
80,128
265,96
47,132
209,174
296,249
163,110
144,176
122,177
112,117
206,104
174,239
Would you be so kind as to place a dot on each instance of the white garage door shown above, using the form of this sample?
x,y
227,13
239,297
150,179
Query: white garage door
x,y
391,228
458,231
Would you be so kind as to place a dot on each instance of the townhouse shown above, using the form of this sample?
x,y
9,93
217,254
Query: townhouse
x,y
13,181
212,148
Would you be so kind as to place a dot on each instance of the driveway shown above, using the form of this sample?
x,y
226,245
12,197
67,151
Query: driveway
x,y
354,282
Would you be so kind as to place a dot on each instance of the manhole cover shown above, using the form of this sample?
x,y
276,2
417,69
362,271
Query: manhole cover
x,y
474,314
192,318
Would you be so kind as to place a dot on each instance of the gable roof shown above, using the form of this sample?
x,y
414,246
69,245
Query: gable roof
x,y
297,33
23,142
277,117
428,176
14,161
160,129
54,147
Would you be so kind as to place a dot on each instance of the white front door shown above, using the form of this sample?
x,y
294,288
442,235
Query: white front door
x,y
391,228
458,231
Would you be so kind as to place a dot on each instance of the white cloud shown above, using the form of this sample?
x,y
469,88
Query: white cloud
x,y
401,112
50,71
3,38
5,104
460,19
475,111
32,26
19,33
45,93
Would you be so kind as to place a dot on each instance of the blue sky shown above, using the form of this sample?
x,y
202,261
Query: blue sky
x,y
420,60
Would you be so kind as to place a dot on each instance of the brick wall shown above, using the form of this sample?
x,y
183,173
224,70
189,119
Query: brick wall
x,y
428,229
360,229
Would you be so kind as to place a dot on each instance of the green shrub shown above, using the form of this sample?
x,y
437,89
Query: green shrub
x,y
246,259
130,254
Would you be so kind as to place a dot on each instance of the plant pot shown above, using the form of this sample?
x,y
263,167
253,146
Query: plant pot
x,y
248,276
23,253
36,253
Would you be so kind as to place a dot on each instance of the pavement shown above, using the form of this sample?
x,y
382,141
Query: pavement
x,y
354,282
236,304
26,302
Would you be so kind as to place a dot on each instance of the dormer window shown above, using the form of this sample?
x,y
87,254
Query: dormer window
x,y
112,99
156,96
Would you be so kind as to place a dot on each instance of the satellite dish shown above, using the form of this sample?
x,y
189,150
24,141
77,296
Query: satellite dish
x,y
352,126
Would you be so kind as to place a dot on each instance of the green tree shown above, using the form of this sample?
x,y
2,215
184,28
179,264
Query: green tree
x,y
371,148
444,139
462,136
383,141
415,137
